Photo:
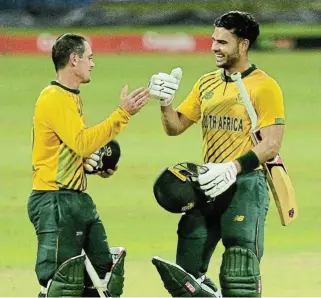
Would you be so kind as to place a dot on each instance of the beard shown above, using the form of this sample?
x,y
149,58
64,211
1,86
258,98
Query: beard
x,y
229,61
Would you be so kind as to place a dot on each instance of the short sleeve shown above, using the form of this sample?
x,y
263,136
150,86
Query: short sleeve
x,y
269,104
191,106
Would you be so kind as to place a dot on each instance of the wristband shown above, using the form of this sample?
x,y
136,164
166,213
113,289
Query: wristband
x,y
248,162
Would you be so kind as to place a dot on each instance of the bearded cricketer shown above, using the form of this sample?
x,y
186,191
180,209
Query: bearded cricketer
x,y
234,180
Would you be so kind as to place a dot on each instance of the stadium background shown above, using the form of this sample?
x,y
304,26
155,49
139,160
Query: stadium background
x,y
133,40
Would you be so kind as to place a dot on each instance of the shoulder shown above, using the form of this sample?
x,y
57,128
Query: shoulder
x,y
265,81
52,95
210,76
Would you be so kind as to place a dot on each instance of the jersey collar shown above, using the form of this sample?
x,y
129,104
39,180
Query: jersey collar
x,y
244,74
75,91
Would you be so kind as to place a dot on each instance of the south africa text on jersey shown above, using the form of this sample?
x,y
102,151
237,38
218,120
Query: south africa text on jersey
x,y
222,123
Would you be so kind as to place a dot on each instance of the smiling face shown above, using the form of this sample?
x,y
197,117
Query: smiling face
x,y
82,66
228,48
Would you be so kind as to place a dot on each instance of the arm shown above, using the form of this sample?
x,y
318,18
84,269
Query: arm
x,y
71,129
60,113
270,110
174,123
270,145
163,87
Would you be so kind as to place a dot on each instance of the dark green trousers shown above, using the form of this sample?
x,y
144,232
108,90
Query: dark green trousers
x,y
236,217
65,222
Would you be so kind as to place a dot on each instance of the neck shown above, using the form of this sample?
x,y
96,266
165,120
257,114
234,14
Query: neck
x,y
241,66
64,77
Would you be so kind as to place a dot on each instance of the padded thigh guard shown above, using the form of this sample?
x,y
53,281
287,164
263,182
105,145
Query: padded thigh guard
x,y
68,280
179,283
240,273
115,278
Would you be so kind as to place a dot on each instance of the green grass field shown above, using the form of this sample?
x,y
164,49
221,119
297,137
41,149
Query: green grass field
x,y
292,261
266,30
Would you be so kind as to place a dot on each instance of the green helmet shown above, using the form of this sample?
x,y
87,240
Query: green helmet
x,y
176,188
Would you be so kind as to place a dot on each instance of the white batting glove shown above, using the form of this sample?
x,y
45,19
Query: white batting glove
x,y
91,162
163,86
218,178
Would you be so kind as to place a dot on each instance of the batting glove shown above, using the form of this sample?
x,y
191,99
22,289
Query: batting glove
x,y
217,179
91,162
163,86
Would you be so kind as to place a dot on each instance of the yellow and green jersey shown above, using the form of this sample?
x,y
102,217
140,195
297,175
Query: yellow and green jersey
x,y
61,139
226,125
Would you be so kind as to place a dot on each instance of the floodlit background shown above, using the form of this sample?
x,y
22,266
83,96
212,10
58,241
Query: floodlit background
x,y
132,40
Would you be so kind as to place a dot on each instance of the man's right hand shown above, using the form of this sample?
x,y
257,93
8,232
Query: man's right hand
x,y
134,101
163,86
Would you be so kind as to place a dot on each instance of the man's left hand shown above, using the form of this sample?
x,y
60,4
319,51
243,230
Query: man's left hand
x,y
218,178
107,174
91,162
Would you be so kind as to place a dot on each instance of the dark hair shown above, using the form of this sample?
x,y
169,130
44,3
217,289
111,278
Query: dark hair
x,y
243,25
65,45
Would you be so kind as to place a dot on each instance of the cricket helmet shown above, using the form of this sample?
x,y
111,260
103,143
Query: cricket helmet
x,y
109,156
176,188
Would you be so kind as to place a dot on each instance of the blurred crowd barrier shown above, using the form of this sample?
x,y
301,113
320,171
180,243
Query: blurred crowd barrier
x,y
40,13
148,42
70,14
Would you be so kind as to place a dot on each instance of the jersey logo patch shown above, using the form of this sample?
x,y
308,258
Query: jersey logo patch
x,y
208,95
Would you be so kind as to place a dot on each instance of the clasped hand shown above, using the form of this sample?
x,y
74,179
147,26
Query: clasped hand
x,y
93,161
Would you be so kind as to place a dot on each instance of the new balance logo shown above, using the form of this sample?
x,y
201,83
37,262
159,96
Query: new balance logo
x,y
239,218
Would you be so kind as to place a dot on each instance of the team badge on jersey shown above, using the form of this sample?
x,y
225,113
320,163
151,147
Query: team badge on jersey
x,y
208,95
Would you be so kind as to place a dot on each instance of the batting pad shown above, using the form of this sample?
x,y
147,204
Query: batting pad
x,y
179,283
115,278
240,273
68,280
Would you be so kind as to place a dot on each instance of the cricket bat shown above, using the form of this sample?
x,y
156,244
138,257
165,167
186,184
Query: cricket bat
x,y
277,176
95,278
